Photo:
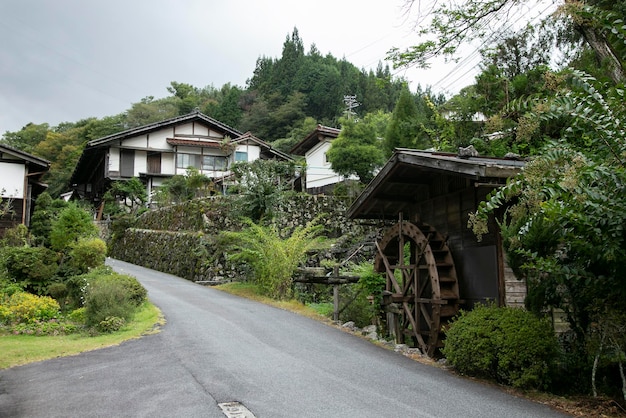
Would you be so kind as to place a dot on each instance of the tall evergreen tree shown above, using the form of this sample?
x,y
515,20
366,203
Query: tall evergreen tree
x,y
403,129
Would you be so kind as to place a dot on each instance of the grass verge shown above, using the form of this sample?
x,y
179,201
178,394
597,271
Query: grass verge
x,y
251,291
22,349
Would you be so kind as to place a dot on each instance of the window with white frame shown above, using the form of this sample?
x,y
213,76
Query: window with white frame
x,y
241,156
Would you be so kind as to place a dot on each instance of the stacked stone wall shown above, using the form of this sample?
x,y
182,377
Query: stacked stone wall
x,y
181,239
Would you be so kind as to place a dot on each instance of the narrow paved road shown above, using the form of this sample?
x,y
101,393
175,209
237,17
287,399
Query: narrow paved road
x,y
218,348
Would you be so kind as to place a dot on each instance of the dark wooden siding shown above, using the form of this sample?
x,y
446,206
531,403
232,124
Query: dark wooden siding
x,y
13,218
154,162
452,199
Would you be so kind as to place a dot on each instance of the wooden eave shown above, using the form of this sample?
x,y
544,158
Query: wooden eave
x,y
192,143
36,163
407,177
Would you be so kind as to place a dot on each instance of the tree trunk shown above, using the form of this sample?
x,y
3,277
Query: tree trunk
x,y
604,52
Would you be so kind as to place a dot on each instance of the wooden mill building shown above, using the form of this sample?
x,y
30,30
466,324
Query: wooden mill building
x,y
433,262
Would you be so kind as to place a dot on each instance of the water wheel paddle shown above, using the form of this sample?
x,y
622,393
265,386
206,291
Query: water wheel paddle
x,y
422,289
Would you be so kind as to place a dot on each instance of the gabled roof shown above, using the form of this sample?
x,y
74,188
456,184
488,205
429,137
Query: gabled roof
x,y
320,134
40,162
190,117
406,178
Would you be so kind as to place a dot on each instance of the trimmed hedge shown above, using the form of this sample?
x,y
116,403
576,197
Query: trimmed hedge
x,y
509,345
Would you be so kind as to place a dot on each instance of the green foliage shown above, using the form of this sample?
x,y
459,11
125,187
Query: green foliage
x,y
272,258
403,128
58,291
111,324
263,184
361,301
23,307
356,306
46,210
72,224
322,80
565,225
509,345
8,286
27,138
111,296
607,343
18,236
105,300
300,130
78,315
128,194
33,268
178,189
86,254
356,151
323,308
49,327
148,110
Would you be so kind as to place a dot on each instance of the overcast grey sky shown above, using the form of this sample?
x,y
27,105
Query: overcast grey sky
x,y
65,60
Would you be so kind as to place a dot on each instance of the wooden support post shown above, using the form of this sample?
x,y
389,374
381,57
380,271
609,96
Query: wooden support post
x,y
336,302
336,295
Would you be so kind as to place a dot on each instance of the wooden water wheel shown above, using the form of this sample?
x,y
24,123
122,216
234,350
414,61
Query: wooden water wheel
x,y
422,291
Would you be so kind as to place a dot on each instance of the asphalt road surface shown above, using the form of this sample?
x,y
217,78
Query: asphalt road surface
x,y
217,348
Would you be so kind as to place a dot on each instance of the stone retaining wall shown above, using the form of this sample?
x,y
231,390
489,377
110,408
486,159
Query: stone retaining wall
x,y
180,239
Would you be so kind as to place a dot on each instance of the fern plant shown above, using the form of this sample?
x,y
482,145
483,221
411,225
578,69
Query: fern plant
x,y
273,259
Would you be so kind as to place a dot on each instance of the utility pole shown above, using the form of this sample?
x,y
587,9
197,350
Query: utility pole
x,y
351,103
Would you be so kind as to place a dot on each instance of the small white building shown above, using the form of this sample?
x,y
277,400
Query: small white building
x,y
158,151
319,173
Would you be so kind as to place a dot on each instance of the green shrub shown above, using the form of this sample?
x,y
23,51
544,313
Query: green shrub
x,y
111,324
18,236
22,307
31,267
49,327
72,224
87,253
8,286
76,288
57,290
78,316
511,346
105,299
136,292
324,308
111,295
